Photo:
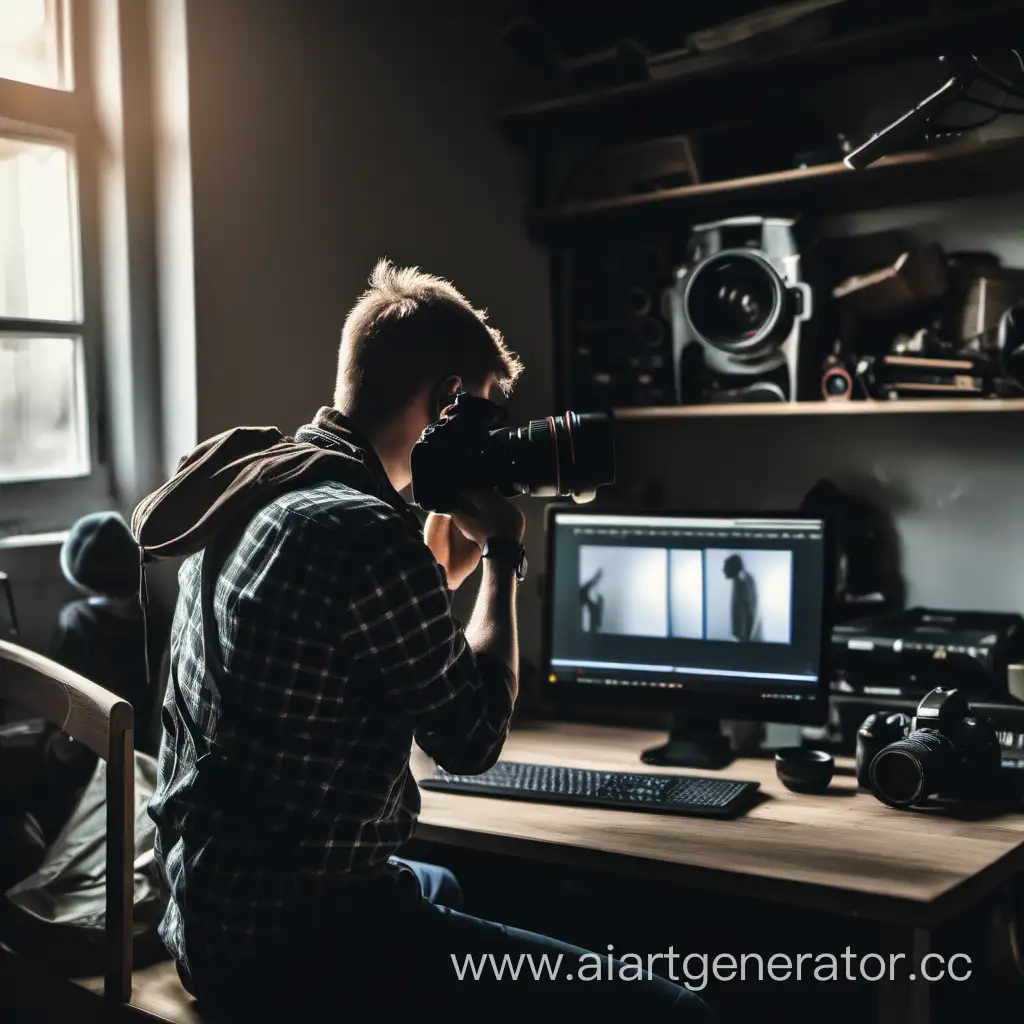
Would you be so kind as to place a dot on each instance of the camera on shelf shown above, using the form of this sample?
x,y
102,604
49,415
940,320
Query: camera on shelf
x,y
740,312
568,455
944,752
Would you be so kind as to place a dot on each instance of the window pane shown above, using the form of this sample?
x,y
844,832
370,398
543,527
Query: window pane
x,y
38,231
33,42
43,426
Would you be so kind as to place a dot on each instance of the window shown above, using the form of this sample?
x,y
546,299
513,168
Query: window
x,y
48,350
34,43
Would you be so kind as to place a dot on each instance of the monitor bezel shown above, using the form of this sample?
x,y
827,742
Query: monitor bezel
x,y
692,704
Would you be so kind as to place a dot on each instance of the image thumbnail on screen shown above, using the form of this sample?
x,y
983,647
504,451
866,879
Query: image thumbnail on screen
x,y
749,595
686,594
624,590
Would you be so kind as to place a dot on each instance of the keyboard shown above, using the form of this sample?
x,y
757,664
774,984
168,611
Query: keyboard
x,y
635,791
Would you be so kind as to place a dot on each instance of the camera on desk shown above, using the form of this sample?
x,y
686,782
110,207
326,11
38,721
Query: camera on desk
x,y
945,751
740,312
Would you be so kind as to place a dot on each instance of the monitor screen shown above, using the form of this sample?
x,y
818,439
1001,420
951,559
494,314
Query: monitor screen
x,y
726,607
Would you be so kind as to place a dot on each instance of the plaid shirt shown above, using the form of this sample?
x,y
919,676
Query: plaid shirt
x,y
338,648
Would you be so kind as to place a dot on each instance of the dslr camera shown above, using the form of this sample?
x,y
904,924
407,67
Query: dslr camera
x,y
944,752
470,448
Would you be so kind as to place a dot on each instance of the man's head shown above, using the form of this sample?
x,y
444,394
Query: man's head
x,y
410,341
732,567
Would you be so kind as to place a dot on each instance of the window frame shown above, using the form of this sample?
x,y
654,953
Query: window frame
x,y
69,118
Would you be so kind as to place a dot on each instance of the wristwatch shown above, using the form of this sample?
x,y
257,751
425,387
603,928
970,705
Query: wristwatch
x,y
507,552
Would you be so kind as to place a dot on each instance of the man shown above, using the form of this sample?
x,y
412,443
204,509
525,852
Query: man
x,y
101,634
745,610
284,788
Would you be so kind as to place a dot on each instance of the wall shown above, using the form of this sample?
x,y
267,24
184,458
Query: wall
x,y
39,591
324,136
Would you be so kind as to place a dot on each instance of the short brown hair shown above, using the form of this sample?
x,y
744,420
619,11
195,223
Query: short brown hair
x,y
407,329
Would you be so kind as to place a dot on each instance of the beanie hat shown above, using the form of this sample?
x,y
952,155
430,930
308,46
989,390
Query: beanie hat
x,y
100,556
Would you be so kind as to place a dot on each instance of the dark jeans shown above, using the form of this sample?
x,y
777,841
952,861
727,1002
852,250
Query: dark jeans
x,y
409,962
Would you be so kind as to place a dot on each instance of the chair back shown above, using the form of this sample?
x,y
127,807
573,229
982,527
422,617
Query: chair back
x,y
104,723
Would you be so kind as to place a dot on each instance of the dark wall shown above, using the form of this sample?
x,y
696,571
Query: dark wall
x,y
324,136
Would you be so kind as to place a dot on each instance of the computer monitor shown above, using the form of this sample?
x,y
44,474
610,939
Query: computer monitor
x,y
707,616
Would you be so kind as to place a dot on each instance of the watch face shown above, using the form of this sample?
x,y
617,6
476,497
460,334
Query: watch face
x,y
523,566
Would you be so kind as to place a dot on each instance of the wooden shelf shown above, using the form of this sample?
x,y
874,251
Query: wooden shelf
x,y
971,25
943,172
879,408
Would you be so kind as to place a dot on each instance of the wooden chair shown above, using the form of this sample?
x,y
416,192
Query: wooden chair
x,y
102,722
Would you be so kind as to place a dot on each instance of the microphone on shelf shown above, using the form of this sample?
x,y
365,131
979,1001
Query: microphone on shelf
x,y
966,70
906,127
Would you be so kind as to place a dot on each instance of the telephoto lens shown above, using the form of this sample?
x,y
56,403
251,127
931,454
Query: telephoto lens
x,y
569,455
913,769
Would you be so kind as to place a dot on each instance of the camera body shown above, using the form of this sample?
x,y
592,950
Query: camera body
x,y
739,310
944,752
469,448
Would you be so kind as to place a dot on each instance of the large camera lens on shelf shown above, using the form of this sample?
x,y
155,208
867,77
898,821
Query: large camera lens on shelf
x,y
736,301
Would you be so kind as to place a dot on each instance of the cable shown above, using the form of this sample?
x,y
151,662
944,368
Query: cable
x,y
1008,88
1000,82
993,78
969,126
997,107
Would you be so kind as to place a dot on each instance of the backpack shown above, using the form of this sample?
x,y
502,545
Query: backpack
x,y
58,912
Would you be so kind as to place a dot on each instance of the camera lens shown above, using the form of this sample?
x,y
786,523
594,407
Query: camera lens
x,y
904,773
734,299
571,454
836,383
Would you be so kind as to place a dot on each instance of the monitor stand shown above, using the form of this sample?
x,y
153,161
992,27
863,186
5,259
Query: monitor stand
x,y
692,743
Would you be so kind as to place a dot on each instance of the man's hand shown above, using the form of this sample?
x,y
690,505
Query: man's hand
x,y
487,514
457,540
459,554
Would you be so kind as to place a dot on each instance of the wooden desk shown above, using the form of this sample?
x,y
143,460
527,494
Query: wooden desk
x,y
844,852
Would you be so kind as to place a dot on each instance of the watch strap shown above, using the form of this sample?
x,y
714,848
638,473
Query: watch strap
x,y
505,551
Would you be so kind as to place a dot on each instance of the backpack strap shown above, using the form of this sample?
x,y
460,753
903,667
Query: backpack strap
x,y
212,560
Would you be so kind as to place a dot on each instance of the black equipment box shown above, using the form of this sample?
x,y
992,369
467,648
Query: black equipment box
x,y
907,653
